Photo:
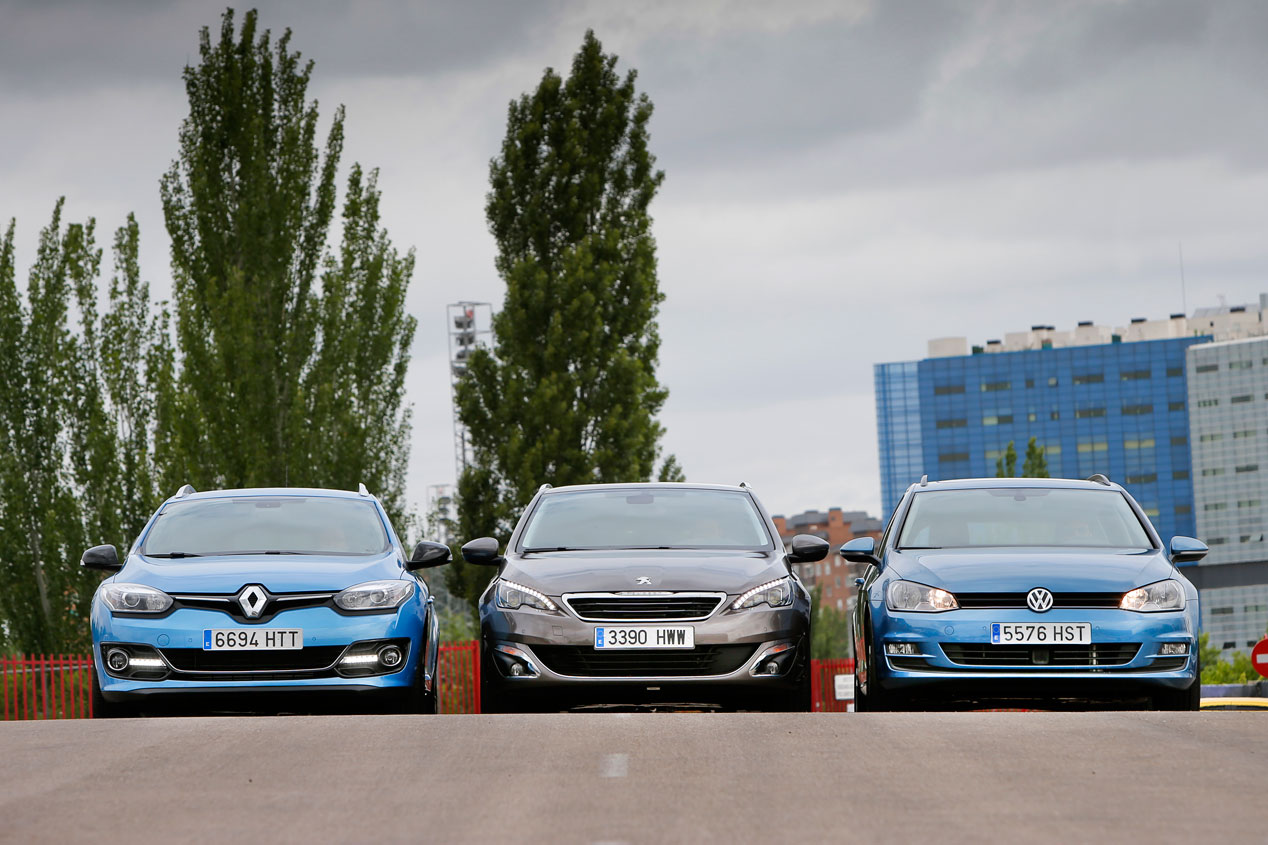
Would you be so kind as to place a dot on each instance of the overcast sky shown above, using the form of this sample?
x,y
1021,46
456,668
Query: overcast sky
x,y
843,182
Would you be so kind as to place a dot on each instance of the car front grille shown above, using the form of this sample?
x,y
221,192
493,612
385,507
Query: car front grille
x,y
309,659
589,662
616,607
1059,600
1055,657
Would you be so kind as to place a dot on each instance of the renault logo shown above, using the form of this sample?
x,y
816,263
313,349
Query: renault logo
x,y
252,599
642,579
1039,600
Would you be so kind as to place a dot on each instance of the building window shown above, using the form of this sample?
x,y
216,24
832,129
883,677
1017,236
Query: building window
x,y
1239,365
947,389
1207,368
1221,611
1216,541
1175,372
1255,608
1248,468
1090,378
1180,475
1240,400
993,386
1088,413
1215,506
1031,417
1207,473
960,423
1249,503
1238,435
1055,415
1134,375
1230,644
1030,382
1175,406
1252,538
1211,438
1184,510
952,457
1093,446
1052,381
1143,478
1002,419
1179,440
1208,403
1137,410
1143,443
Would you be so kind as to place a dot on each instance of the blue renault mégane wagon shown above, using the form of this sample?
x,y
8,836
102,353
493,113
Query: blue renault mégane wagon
x,y
264,593
1024,588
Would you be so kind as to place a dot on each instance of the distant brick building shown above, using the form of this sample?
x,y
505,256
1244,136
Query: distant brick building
x,y
833,574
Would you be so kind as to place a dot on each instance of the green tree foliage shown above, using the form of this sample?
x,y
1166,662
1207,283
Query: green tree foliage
x,y
568,393
73,469
1215,670
285,378
1035,464
829,629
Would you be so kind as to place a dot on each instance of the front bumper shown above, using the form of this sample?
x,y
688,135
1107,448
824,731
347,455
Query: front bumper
x,y
177,639
954,651
557,651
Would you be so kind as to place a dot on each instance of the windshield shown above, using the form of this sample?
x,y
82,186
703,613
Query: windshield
x,y
645,519
267,525
1021,516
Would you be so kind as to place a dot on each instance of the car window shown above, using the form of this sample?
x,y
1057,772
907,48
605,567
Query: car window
x,y
643,518
278,525
1022,516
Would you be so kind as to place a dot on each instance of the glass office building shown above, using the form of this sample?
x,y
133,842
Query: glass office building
x,y
1115,408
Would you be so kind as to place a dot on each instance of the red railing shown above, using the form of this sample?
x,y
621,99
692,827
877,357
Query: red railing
x,y
832,685
59,686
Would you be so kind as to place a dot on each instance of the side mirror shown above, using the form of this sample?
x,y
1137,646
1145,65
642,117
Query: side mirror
x,y
1186,550
807,548
427,554
483,551
861,550
105,558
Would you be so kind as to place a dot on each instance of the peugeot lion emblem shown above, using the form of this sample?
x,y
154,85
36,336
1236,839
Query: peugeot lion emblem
x,y
642,579
1039,600
252,599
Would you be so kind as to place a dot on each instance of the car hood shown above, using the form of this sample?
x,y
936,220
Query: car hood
x,y
1017,570
276,573
556,573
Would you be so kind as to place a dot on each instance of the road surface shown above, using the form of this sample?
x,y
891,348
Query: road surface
x,y
641,777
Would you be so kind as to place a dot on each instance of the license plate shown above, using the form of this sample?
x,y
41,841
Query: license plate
x,y
1041,633
255,639
645,636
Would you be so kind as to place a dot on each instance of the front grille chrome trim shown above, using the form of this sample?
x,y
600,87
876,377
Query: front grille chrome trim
x,y
633,597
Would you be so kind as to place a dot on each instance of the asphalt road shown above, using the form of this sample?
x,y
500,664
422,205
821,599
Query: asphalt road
x,y
641,777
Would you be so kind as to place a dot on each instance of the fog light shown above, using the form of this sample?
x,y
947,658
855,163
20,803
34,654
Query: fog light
x,y
772,668
117,659
390,656
353,659
517,670
1174,648
907,649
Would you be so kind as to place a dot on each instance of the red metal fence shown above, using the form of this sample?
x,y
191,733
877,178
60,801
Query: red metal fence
x,y
59,686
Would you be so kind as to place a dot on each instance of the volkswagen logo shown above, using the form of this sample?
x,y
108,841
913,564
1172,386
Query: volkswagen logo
x,y
252,599
1039,600
642,579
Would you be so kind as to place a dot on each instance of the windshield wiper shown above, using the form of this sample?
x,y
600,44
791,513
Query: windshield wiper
x,y
171,554
553,549
917,548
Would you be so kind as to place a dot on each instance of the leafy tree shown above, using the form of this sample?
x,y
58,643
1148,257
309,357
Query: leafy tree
x,y
1006,464
568,392
1036,463
1216,670
281,381
829,629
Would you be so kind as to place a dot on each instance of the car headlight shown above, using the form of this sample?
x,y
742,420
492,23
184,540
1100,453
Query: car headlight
x,y
908,595
375,595
1161,595
512,596
778,593
135,598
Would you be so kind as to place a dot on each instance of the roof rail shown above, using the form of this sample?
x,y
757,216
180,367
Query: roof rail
x,y
543,487
745,485
185,491
361,490
1099,478
924,480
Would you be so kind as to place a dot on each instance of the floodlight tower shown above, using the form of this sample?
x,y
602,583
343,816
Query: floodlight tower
x,y
470,325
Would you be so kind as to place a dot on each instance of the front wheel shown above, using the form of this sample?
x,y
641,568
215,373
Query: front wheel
x,y
1185,699
103,709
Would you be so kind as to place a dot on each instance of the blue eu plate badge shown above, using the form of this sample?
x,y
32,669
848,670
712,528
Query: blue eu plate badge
x,y
995,632
598,638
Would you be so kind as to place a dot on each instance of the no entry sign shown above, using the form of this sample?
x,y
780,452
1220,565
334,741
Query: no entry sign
x,y
1259,657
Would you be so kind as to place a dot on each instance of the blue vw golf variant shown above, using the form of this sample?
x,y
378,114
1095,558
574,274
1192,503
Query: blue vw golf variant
x,y
265,591
1024,588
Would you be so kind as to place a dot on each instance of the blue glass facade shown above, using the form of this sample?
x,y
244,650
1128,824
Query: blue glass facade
x,y
1116,408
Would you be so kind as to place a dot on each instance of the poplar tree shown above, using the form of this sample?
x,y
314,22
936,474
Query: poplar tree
x,y
568,392
1036,463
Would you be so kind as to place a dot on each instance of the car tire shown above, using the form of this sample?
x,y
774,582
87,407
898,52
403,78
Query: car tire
x,y
799,699
876,700
103,709
1185,699
415,698
492,699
